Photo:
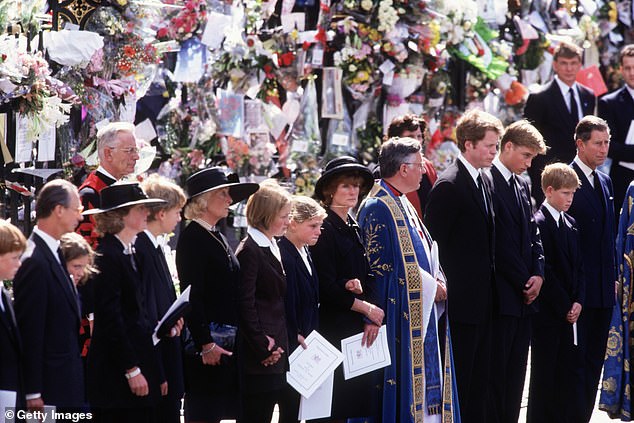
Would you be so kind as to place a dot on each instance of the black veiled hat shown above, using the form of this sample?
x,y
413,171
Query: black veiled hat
x,y
343,165
215,178
120,195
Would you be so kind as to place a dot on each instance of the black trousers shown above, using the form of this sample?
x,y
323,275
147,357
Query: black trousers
x,y
593,327
471,353
508,366
556,390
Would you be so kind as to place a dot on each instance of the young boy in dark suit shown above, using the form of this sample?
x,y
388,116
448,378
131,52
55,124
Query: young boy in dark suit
x,y
556,384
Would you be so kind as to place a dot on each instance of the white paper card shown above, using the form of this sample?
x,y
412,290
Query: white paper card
x,y
589,6
310,367
339,139
46,145
537,21
49,410
7,400
629,140
23,146
293,21
319,405
214,32
359,360
184,297
145,131
574,334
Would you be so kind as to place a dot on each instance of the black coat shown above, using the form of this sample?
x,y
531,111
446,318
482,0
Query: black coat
x,y
595,218
261,294
122,336
519,252
159,296
212,272
302,294
617,108
547,110
11,378
47,313
457,220
339,256
564,279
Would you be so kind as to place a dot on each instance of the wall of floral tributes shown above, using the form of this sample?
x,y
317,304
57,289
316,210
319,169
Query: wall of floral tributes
x,y
275,88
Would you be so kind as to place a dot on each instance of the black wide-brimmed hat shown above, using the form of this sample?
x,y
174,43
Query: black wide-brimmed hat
x,y
122,194
339,166
215,178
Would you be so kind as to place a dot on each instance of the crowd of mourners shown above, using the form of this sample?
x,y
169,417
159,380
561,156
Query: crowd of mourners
x,y
464,269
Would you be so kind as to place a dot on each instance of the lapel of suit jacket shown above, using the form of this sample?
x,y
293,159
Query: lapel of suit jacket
x,y
475,192
506,193
59,274
587,190
8,317
560,102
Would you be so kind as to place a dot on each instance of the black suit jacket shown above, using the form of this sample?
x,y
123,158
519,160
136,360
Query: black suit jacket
x,y
122,336
564,281
302,294
595,218
547,110
261,292
519,253
465,233
617,108
47,313
10,350
159,296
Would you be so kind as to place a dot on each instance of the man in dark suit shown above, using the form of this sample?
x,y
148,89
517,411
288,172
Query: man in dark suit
x,y
519,266
593,209
460,217
47,307
555,111
556,387
158,288
617,108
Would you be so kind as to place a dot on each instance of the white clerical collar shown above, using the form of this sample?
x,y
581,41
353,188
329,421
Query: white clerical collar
x,y
52,243
506,173
150,235
264,242
587,170
472,170
100,169
556,214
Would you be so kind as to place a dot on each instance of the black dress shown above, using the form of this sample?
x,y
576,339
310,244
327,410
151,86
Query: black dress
x,y
205,261
339,256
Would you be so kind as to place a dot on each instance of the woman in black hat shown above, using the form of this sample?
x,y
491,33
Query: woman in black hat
x,y
345,289
206,262
123,372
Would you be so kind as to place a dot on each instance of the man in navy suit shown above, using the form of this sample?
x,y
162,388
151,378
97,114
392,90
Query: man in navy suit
x,y
47,307
593,209
460,217
519,266
617,108
555,111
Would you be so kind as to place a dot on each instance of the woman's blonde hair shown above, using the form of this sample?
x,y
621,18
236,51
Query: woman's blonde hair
x,y
75,246
265,204
305,208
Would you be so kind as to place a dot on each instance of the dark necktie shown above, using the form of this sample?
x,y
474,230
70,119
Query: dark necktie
x,y
574,110
516,193
483,193
166,269
563,233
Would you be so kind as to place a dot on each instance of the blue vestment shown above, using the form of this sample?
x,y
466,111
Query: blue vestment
x,y
412,386
615,388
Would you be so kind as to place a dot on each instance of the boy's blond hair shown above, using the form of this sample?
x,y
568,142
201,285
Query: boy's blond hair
x,y
156,186
559,176
11,238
